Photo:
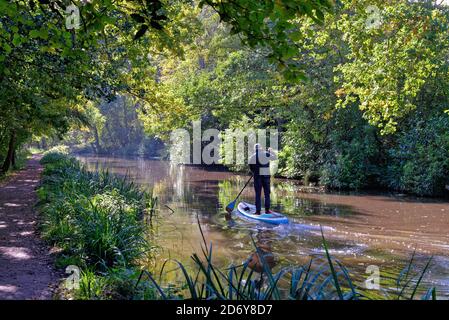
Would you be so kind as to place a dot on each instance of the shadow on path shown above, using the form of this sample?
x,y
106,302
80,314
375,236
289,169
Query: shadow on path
x,y
26,270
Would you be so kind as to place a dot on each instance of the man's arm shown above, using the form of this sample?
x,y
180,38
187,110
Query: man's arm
x,y
272,154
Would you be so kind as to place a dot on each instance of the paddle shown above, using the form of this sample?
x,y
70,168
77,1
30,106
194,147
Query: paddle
x,y
230,207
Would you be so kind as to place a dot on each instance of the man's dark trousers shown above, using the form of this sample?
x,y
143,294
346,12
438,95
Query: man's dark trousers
x,y
262,182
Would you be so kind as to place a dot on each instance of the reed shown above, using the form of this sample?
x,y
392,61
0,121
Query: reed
x,y
323,281
98,221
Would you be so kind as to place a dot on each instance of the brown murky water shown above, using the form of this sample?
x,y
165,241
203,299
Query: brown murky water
x,y
361,229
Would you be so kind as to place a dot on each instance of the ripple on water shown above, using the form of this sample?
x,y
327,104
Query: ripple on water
x,y
360,229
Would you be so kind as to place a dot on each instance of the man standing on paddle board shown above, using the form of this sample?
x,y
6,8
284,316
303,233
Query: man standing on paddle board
x,y
259,164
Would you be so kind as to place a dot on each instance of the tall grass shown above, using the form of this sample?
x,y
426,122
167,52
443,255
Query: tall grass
x,y
94,216
328,280
96,219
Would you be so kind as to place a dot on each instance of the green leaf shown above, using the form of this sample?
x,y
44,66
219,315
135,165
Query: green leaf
x,y
295,35
7,48
34,34
17,40
43,34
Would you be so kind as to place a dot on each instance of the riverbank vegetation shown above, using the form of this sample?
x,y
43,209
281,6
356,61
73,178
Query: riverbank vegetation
x,y
359,96
96,221
371,113
358,90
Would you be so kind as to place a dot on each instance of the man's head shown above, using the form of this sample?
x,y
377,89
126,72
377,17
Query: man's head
x,y
257,146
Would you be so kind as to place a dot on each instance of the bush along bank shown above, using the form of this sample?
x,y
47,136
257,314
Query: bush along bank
x,y
96,221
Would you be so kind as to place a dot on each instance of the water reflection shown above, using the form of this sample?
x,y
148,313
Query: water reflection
x,y
264,254
361,230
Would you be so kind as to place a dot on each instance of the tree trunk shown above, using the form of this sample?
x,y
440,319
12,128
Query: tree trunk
x,y
201,62
126,139
97,145
44,143
13,159
11,152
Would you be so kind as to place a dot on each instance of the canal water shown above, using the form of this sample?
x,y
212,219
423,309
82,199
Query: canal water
x,y
362,230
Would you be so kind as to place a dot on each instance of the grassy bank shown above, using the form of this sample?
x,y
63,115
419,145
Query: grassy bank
x,y
95,220
97,223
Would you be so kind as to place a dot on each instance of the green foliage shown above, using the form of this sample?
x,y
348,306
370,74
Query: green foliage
x,y
317,280
62,261
271,24
95,216
348,125
49,70
353,156
91,286
54,155
342,127
118,284
419,163
388,66
96,219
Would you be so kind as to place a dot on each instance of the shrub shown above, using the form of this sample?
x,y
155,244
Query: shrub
x,y
94,217
419,163
51,158
110,231
62,149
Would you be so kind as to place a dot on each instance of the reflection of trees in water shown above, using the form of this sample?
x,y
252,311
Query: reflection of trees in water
x,y
289,197
179,187
263,240
92,166
284,195
226,192
174,188
305,207
143,170
177,177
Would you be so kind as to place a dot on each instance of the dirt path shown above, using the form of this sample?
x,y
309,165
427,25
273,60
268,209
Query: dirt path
x,y
26,270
